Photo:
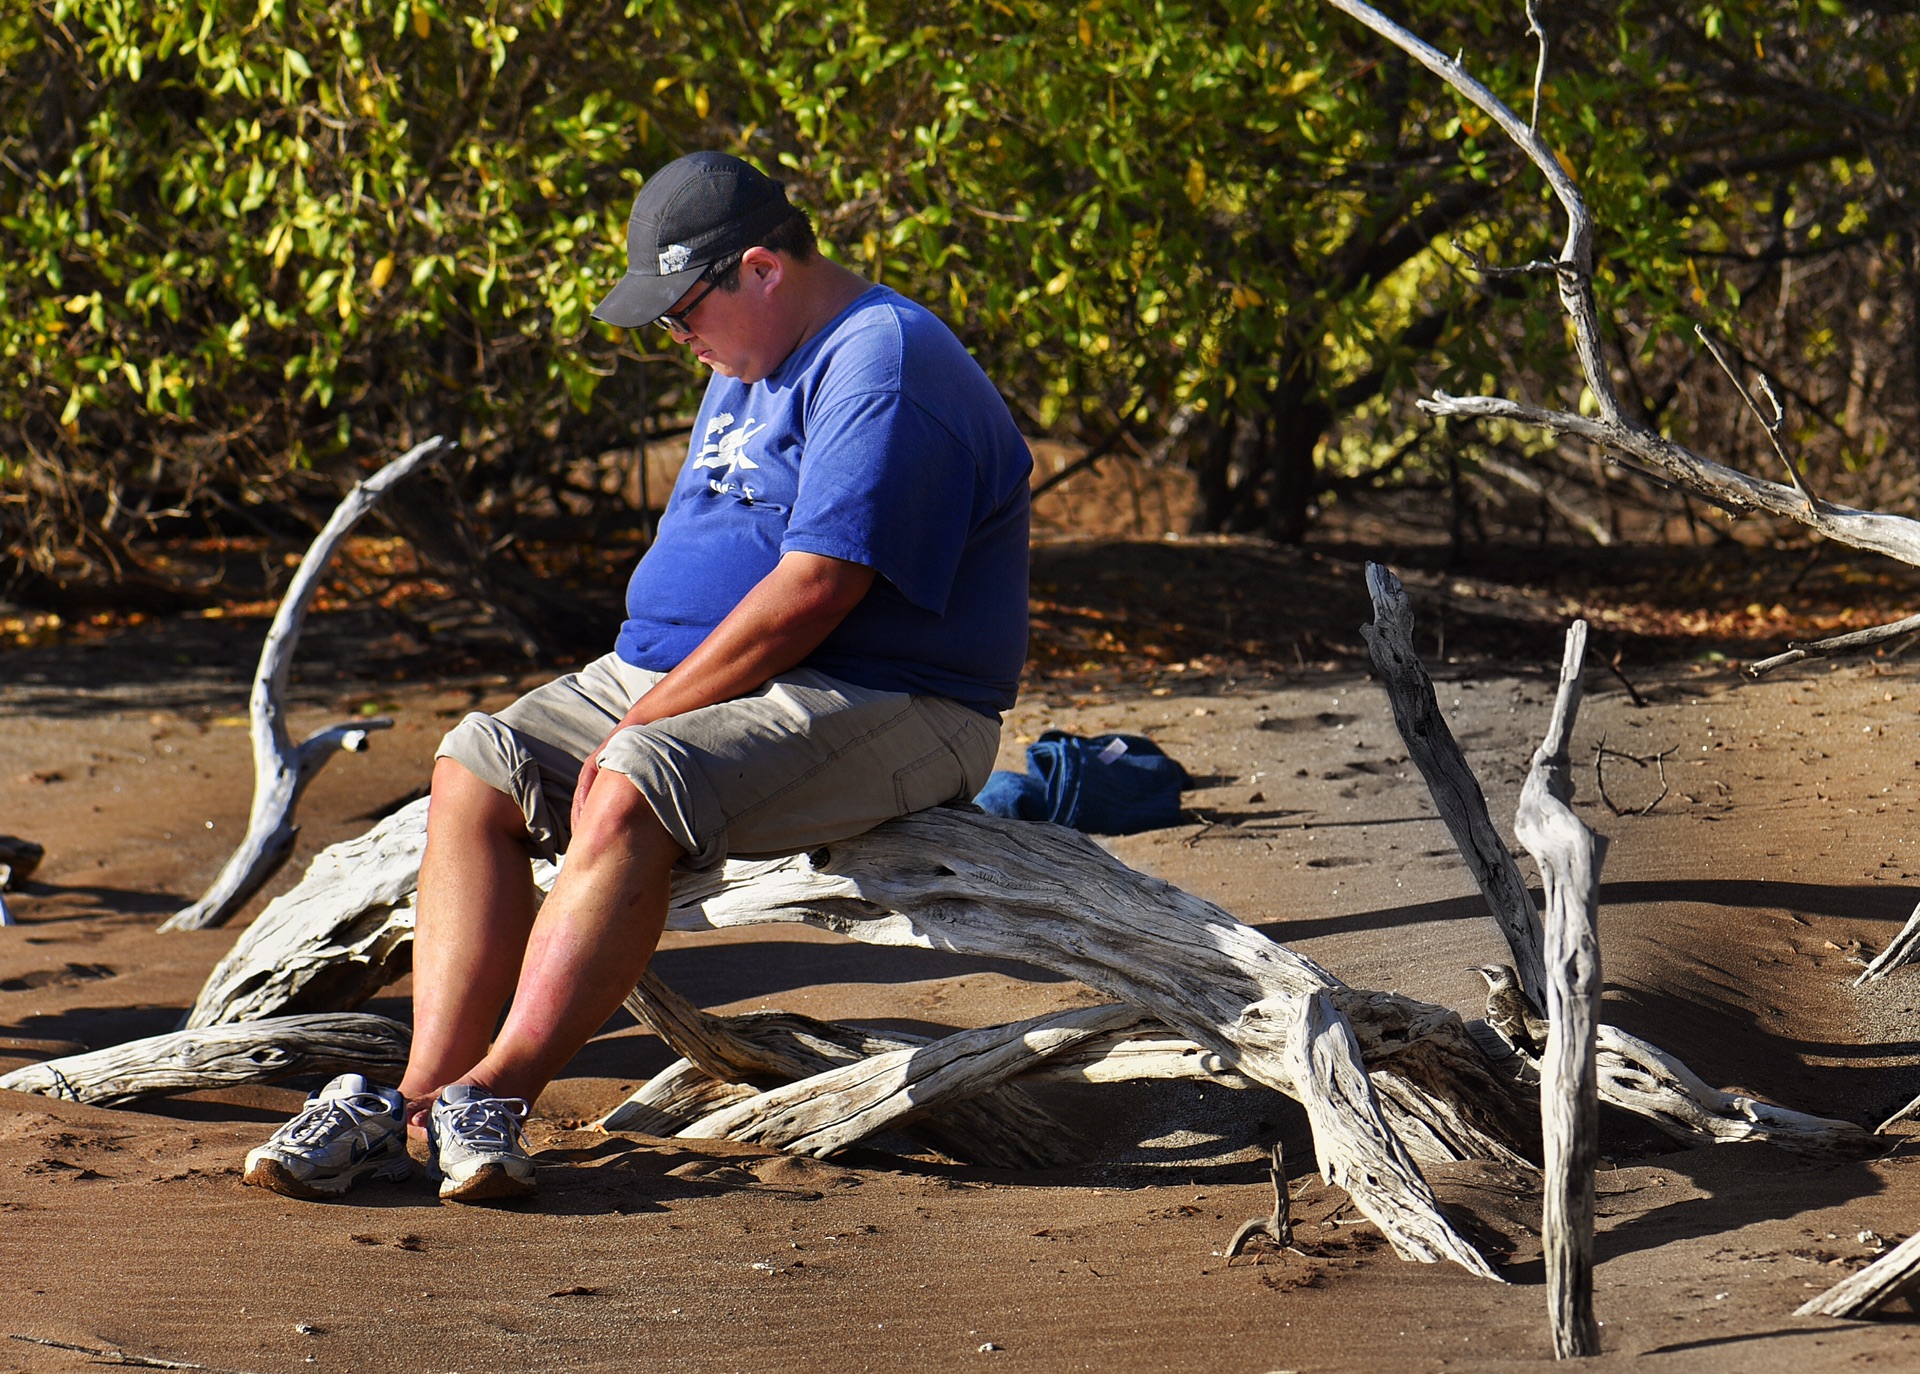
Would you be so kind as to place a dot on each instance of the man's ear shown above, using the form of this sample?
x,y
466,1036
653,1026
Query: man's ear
x,y
764,267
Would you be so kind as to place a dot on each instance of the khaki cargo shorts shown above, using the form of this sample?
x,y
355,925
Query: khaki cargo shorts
x,y
803,761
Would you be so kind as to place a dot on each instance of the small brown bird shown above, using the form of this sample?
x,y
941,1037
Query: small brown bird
x,y
1511,1012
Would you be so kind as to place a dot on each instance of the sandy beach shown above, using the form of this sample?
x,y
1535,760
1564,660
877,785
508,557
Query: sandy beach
x,y
1733,918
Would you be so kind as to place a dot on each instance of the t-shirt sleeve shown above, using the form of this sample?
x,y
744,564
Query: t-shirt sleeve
x,y
885,485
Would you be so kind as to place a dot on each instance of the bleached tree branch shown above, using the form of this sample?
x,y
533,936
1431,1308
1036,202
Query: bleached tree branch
x,y
1628,440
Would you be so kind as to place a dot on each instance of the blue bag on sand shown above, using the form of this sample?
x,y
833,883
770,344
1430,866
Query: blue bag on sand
x,y
1105,785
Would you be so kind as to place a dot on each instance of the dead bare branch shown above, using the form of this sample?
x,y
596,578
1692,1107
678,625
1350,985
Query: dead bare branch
x,y
1633,693
1899,952
282,770
1838,644
1628,440
1535,28
1569,856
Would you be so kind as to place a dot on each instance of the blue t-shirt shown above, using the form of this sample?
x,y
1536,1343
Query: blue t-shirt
x,y
881,442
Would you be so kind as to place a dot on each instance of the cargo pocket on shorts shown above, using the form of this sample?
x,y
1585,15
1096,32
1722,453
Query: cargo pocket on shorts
x,y
928,781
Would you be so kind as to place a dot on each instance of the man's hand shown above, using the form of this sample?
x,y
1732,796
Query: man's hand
x,y
589,770
776,625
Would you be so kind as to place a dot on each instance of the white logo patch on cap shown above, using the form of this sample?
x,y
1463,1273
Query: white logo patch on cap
x,y
674,258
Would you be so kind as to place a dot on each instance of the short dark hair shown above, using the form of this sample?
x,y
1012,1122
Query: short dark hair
x,y
793,236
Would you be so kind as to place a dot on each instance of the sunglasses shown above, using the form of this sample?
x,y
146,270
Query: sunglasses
x,y
716,273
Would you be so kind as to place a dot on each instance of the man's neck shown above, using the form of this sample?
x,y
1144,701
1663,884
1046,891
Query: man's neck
x,y
826,288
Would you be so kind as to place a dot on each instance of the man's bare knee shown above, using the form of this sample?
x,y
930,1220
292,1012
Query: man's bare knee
x,y
618,816
462,801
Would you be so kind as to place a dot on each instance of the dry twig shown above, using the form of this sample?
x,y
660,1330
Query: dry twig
x,y
1277,1226
1772,427
110,1355
1601,752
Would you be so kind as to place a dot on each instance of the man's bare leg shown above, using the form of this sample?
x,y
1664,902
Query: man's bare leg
x,y
475,913
589,945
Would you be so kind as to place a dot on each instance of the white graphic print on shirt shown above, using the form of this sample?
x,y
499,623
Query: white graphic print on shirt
x,y
728,451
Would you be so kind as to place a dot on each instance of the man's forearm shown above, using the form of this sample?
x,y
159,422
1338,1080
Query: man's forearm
x,y
776,625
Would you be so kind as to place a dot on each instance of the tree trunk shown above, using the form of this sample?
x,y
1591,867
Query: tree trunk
x,y
1298,423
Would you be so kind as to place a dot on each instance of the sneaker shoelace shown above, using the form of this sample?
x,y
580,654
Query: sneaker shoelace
x,y
490,1123
319,1121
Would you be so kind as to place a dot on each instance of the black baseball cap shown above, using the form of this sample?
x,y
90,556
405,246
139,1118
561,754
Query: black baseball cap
x,y
690,214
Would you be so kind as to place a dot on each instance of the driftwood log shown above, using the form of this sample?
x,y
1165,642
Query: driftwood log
x,y
1319,1048
683,1092
282,770
680,1093
334,939
1568,856
187,1061
971,884
1455,790
1432,1125
1634,1075
1001,1128
1650,1083
1895,1274
819,1115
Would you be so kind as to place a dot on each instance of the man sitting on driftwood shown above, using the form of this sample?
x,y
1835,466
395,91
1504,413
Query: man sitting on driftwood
x,y
821,638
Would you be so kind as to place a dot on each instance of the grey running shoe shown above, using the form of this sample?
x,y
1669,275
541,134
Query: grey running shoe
x,y
474,1140
348,1131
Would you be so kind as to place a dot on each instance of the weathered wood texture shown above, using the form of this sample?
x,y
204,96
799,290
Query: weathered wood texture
x,y
1647,1081
1434,1087
1429,1069
1569,857
970,884
1895,1274
955,880
1133,1056
224,1057
679,1094
1319,1048
1004,1128
831,1111
338,936
1900,952
1450,781
1616,428
682,1093
282,770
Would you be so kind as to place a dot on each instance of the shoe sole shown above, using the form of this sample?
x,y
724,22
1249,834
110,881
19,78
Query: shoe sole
x,y
268,1172
488,1183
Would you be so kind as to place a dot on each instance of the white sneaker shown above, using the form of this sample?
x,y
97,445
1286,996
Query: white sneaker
x,y
348,1131
475,1143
